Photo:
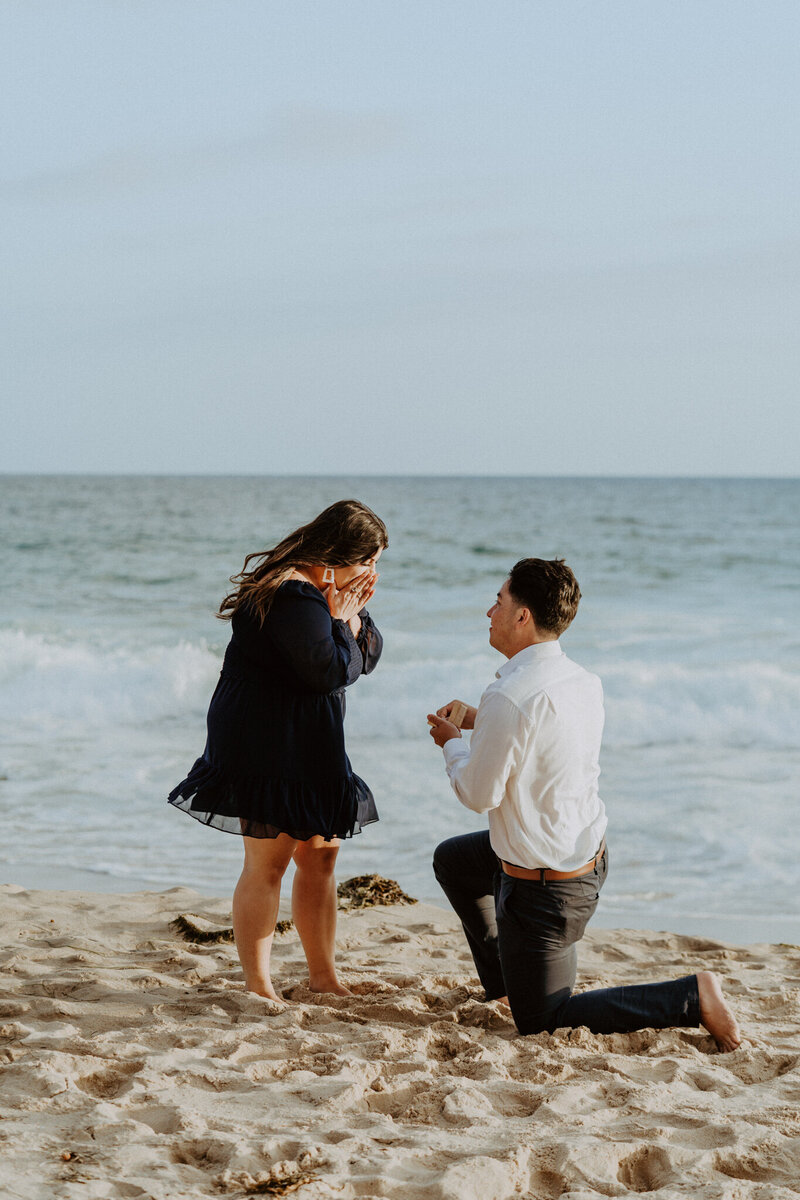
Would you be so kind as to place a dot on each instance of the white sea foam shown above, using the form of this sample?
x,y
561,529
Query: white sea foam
x,y
43,679
646,704
720,703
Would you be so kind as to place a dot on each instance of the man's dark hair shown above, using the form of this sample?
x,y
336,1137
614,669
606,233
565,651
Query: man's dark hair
x,y
549,589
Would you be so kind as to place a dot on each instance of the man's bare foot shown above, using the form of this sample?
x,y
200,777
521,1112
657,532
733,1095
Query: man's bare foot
x,y
502,1000
715,1013
326,984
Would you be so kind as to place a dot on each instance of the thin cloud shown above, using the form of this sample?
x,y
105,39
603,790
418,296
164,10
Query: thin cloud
x,y
300,136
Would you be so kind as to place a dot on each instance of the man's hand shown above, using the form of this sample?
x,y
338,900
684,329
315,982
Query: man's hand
x,y
441,730
469,718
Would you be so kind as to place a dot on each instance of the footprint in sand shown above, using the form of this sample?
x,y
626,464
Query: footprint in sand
x,y
766,1164
106,1084
646,1170
205,1153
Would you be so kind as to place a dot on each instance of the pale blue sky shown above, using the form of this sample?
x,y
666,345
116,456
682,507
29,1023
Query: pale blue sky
x,y
391,236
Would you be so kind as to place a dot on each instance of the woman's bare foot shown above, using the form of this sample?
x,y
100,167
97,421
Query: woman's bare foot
x,y
715,1013
265,990
324,983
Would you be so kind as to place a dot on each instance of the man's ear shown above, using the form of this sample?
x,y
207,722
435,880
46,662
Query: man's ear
x,y
524,616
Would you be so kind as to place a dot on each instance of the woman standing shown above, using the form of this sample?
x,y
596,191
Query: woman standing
x,y
274,768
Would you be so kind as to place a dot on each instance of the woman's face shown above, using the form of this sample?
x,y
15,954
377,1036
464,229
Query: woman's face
x,y
344,575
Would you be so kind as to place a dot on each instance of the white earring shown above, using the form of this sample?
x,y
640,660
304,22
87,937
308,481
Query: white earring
x,y
328,576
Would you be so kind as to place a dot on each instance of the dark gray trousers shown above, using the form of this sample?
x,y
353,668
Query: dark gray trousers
x,y
523,936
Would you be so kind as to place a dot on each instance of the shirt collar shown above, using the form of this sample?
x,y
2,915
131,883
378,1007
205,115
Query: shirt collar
x,y
529,656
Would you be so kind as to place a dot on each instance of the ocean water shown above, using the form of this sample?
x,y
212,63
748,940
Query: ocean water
x,y
109,653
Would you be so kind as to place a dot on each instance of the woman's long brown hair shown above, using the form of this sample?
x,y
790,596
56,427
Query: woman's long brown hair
x,y
344,534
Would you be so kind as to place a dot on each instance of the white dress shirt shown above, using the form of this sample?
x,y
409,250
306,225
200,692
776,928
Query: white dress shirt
x,y
533,761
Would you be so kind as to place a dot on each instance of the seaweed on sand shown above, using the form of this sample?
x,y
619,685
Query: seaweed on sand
x,y
197,929
362,891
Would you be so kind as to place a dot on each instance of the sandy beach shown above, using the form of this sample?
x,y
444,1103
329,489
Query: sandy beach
x,y
134,1065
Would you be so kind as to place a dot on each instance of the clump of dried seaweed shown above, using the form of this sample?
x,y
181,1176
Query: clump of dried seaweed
x,y
280,1181
364,891
280,1187
197,929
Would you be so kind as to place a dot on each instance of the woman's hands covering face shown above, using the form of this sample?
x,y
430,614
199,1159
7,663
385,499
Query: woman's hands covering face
x,y
345,602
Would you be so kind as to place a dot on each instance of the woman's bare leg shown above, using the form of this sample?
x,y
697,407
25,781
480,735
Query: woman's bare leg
x,y
255,907
314,911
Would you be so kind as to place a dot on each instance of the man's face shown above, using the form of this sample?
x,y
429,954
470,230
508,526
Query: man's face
x,y
503,622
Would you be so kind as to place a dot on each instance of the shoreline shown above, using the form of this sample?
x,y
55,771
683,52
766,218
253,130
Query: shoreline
x,y
135,1065
741,929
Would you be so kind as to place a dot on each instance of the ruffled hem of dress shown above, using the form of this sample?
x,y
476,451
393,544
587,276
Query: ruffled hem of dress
x,y
266,808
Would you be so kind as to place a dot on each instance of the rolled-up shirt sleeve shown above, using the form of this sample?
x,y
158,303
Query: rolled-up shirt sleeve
x,y
479,772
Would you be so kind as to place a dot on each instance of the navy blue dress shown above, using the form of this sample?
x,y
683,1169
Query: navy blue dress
x,y
275,760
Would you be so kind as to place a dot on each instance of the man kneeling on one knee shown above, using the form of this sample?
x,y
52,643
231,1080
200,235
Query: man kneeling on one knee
x,y
527,887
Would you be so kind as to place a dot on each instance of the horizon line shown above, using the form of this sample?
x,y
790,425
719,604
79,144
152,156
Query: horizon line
x,y
377,475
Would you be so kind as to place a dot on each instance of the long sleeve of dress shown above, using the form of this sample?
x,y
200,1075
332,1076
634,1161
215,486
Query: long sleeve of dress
x,y
322,654
370,642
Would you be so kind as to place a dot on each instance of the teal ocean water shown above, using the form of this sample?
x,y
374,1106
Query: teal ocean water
x,y
109,652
